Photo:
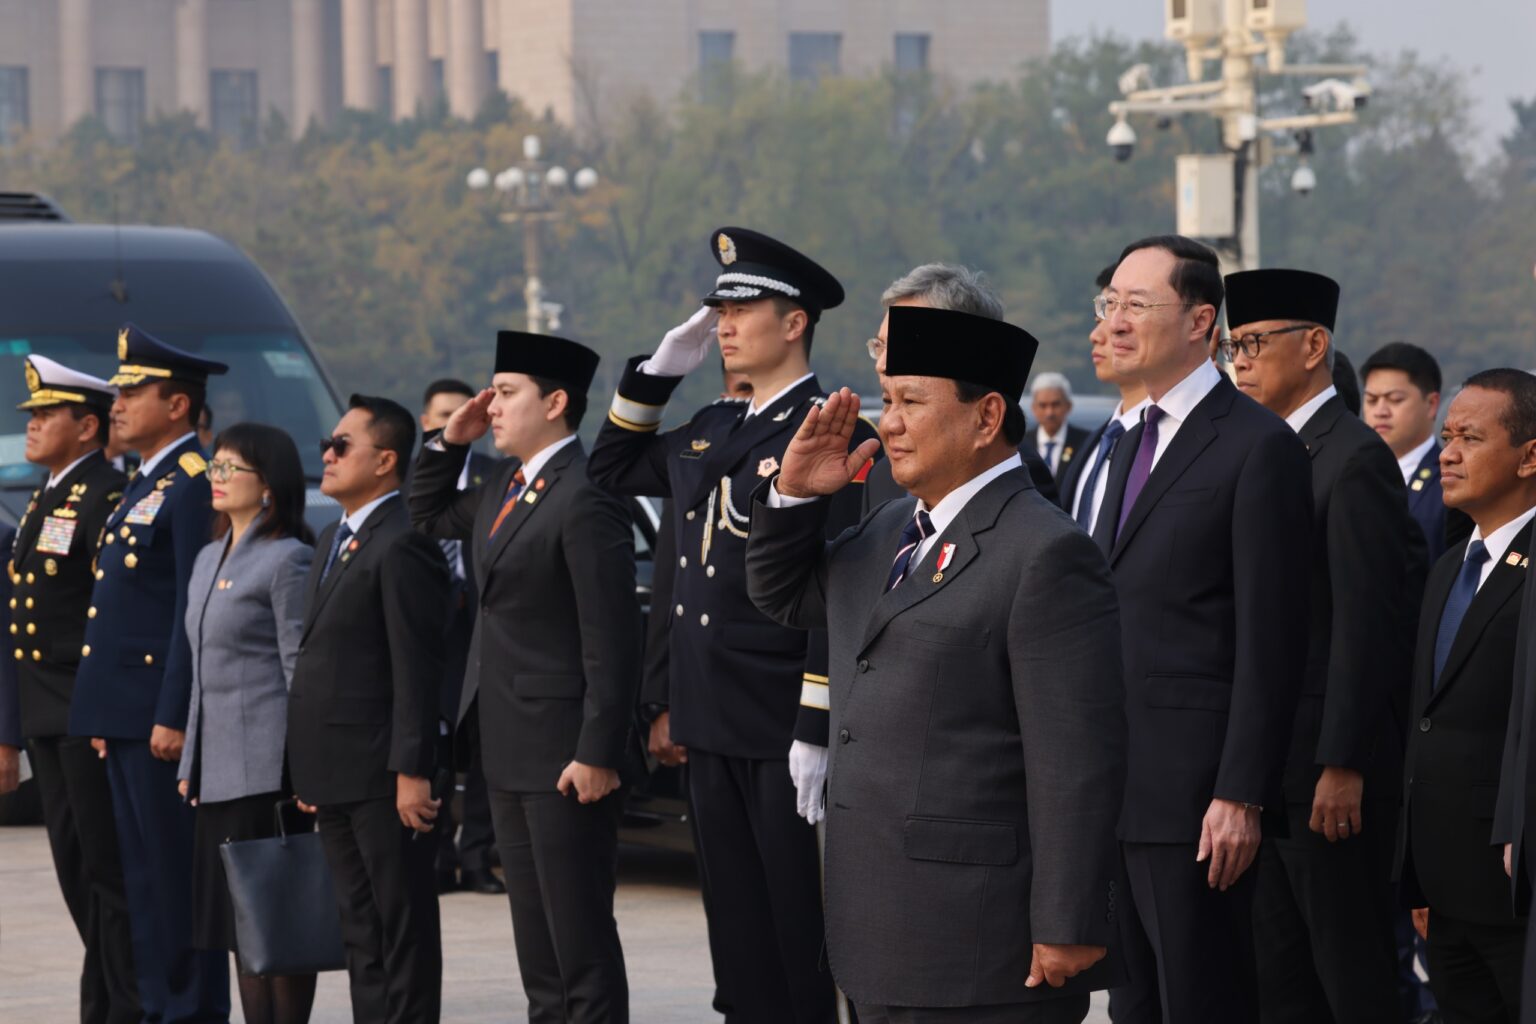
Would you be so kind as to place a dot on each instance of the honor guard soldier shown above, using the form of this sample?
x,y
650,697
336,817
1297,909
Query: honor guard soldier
x,y
133,688
735,673
51,571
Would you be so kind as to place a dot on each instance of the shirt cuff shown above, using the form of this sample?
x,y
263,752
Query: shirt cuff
x,y
777,500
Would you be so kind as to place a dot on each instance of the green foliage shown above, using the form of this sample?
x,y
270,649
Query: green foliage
x,y
400,273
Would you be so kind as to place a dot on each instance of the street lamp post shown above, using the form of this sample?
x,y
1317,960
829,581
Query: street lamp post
x,y
1218,195
531,190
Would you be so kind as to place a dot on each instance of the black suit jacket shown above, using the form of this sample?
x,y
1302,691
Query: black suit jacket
x,y
1446,857
1368,569
1211,570
555,662
462,601
1516,801
880,487
364,699
53,589
978,748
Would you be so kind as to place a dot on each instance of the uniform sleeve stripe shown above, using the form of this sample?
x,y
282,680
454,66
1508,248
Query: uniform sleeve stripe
x,y
815,695
639,428
638,413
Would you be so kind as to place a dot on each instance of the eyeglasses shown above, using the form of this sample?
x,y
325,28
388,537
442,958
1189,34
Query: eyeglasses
x,y
875,347
221,469
341,445
1251,345
1135,310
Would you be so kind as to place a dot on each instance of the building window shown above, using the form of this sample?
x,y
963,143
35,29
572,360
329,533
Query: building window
x,y
14,111
120,102
814,55
715,49
236,115
911,53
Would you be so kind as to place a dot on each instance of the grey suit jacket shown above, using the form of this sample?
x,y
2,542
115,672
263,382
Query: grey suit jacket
x,y
244,619
978,742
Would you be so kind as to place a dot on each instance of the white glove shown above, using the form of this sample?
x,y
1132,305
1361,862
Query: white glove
x,y
684,347
808,770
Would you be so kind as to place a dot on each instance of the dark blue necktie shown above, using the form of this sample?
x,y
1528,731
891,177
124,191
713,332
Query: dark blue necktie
x,y
1456,606
1112,434
1050,448
918,529
343,534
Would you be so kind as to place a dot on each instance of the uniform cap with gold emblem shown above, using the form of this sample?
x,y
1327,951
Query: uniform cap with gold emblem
x,y
754,266
145,358
50,383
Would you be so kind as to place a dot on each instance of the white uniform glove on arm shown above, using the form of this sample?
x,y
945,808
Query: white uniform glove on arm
x,y
808,770
685,346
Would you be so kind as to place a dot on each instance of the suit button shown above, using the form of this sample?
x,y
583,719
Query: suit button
x,y
689,516
682,563
704,619
1423,725
843,736
710,572
863,664
678,611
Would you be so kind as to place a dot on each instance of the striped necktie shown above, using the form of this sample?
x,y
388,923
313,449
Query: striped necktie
x,y
514,491
917,530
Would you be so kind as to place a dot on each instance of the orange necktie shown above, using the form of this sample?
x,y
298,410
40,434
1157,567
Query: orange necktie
x,y
514,491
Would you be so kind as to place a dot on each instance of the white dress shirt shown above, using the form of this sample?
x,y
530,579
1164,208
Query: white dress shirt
x,y
1059,440
1498,543
55,478
148,465
754,407
541,459
1180,401
1308,409
356,520
1409,463
1128,419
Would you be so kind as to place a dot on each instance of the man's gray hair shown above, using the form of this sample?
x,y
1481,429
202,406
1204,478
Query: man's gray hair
x,y
1051,382
947,286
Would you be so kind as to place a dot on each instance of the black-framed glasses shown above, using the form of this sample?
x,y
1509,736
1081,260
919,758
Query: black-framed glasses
x,y
223,469
1251,345
340,445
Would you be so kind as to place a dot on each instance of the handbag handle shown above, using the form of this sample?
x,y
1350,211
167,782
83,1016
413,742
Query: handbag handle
x,y
277,818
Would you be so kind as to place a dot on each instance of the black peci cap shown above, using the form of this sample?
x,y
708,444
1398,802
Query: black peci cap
x,y
543,355
926,342
1257,295
758,267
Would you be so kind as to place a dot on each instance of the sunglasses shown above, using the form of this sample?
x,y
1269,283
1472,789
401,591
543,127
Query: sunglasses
x,y
341,445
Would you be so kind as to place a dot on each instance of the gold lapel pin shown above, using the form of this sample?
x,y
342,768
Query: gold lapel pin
x,y
938,577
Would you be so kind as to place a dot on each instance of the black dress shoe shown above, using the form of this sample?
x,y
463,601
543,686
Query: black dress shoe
x,y
447,882
481,880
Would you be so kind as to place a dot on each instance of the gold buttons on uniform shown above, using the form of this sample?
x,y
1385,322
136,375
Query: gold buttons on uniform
x,y
91,612
100,573
13,604
130,559
110,538
15,629
31,629
85,652
132,541
149,659
37,655
29,603
31,577
19,654
124,533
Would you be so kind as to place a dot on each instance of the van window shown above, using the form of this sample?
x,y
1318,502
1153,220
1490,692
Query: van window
x,y
272,379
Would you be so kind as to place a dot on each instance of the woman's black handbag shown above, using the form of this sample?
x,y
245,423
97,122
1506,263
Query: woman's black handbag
x,y
286,918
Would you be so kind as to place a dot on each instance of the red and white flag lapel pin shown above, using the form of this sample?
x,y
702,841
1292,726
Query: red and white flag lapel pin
x,y
946,555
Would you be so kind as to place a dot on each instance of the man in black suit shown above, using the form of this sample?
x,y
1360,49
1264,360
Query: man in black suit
x,y
555,665
1402,404
1056,439
463,858
943,286
51,570
979,756
1085,478
1207,524
1323,916
363,715
1452,874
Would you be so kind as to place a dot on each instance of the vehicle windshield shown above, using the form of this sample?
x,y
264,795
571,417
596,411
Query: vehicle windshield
x,y
272,379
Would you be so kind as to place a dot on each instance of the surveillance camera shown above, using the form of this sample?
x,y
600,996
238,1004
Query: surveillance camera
x,y
1331,92
1304,180
1121,140
1134,78
1362,90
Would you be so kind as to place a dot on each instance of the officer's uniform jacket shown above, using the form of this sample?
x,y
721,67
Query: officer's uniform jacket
x,y
136,665
734,671
52,575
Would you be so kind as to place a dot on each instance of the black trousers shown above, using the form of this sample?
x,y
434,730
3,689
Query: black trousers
x,y
466,842
178,983
1188,947
387,896
77,811
1324,923
1474,969
561,862
764,909
1066,1010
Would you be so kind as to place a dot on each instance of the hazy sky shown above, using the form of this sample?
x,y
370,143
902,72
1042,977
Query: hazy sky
x,y
1493,39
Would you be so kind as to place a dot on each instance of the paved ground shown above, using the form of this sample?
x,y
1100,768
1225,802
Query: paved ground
x,y
660,920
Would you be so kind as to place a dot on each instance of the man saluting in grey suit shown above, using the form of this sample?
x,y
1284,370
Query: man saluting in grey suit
x,y
978,731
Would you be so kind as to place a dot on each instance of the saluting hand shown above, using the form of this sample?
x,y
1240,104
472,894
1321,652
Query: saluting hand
x,y
471,420
817,461
1053,965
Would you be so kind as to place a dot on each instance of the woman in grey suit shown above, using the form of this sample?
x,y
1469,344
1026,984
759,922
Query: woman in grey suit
x,y
245,609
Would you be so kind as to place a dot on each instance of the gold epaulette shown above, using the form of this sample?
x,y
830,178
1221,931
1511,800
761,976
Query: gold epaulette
x,y
192,464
